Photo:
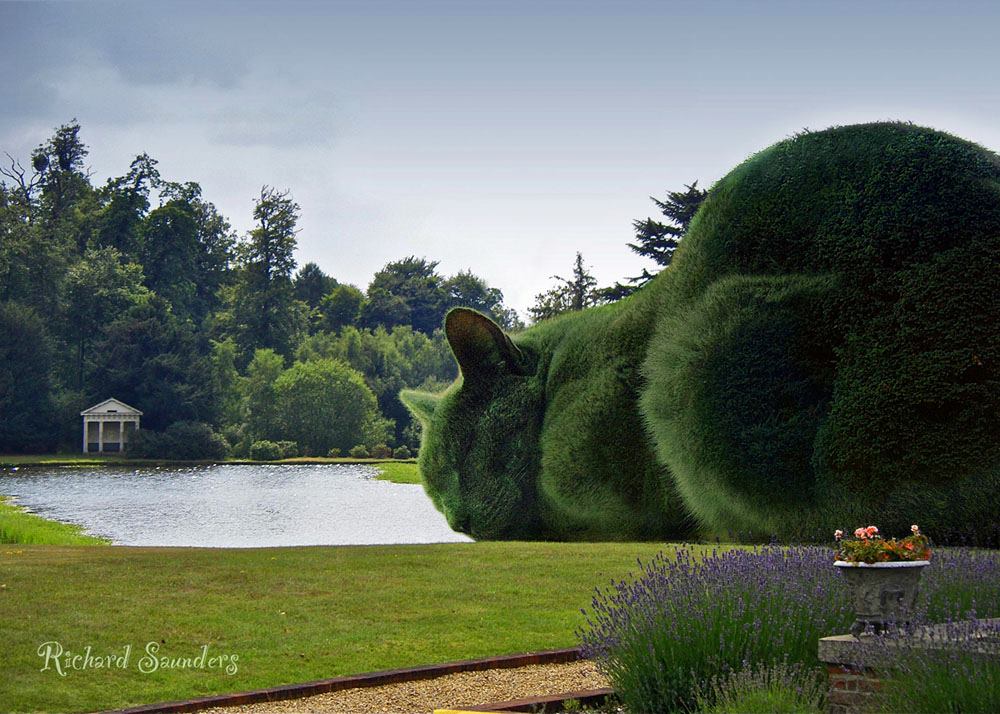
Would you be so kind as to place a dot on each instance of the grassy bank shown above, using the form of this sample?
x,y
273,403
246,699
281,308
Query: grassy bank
x,y
399,472
19,527
289,614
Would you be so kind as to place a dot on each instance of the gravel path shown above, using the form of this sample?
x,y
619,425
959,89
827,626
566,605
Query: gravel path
x,y
451,690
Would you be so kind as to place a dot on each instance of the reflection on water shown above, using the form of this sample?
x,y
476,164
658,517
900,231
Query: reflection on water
x,y
233,506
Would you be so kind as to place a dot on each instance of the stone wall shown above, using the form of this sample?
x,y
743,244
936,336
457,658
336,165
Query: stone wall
x,y
853,687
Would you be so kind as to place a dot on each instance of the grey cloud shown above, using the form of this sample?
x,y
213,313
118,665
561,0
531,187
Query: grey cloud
x,y
142,43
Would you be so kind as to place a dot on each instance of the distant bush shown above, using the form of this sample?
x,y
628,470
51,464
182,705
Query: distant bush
x,y
333,453
182,440
238,438
359,452
324,404
265,450
289,449
401,452
381,451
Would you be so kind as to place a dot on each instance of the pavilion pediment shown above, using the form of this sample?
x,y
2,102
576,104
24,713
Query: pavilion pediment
x,y
111,407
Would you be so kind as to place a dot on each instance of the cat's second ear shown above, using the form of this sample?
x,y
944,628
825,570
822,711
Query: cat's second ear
x,y
482,349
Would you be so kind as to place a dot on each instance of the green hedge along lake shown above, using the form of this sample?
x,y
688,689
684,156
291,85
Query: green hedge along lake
x,y
232,506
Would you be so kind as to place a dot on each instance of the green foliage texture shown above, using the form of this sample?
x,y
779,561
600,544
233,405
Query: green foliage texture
x,y
190,440
324,404
821,353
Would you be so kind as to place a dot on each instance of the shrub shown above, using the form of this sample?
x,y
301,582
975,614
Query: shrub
x,y
680,621
401,452
358,452
289,449
265,450
381,451
333,453
182,440
324,404
781,688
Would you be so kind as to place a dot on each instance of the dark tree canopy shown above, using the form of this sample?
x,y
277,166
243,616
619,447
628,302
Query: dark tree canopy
x,y
341,307
264,309
408,291
25,365
312,285
170,253
465,289
149,357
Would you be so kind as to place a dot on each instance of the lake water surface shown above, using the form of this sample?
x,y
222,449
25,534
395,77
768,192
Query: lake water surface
x,y
233,506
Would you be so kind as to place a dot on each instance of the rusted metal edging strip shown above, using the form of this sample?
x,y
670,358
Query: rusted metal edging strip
x,y
370,679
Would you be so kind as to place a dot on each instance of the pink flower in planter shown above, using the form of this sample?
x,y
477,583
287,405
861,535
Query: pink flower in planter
x,y
915,529
838,534
860,533
872,531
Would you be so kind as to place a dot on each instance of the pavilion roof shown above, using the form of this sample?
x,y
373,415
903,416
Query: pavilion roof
x,y
111,406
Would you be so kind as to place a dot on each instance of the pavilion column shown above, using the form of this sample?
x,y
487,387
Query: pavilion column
x,y
86,430
100,436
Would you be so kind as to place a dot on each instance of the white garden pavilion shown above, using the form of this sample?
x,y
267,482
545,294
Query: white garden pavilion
x,y
108,425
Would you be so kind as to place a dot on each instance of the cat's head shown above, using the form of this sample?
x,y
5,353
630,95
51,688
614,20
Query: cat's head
x,y
479,456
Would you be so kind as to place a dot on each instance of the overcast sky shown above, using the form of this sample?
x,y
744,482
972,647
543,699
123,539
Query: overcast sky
x,y
497,136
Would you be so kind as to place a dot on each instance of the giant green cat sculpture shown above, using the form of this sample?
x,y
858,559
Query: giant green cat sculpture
x,y
823,352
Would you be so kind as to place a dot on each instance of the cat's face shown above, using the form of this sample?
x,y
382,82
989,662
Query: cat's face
x,y
480,455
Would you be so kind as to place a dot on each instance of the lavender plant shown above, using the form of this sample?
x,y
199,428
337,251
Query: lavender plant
x,y
961,583
781,688
684,618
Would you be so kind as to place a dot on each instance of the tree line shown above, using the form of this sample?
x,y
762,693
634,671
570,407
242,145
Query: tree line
x,y
141,289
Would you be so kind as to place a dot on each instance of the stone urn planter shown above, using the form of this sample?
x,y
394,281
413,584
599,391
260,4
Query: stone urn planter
x,y
883,593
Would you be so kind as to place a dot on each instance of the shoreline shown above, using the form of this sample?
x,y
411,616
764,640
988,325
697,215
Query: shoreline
x,y
10,461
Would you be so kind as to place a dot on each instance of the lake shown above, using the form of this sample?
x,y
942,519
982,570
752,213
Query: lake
x,y
234,506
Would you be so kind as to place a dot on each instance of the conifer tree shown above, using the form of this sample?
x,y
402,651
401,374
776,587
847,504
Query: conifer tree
x,y
657,240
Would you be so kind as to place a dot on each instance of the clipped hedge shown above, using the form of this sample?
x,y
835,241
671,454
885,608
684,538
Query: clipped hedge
x,y
876,400
822,352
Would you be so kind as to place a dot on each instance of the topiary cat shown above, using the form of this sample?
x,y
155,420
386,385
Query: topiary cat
x,y
822,352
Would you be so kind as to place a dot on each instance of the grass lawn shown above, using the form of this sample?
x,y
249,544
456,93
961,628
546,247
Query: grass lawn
x,y
18,526
289,614
399,472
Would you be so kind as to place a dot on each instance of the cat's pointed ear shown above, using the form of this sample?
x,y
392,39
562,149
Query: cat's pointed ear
x,y
420,404
482,349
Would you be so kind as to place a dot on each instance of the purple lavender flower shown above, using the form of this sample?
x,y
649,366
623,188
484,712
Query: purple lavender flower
x,y
684,617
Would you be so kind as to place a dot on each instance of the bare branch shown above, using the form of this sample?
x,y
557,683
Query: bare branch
x,y
17,173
